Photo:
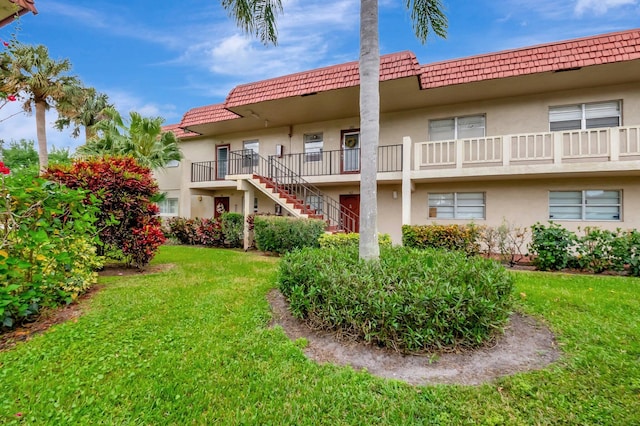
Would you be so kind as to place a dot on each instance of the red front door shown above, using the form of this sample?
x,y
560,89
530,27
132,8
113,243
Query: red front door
x,y
350,212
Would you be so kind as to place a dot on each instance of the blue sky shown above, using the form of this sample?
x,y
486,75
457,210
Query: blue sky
x,y
163,58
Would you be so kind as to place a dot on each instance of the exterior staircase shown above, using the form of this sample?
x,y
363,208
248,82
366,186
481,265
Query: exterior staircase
x,y
290,190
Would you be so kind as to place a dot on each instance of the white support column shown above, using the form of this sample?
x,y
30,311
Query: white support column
x,y
406,180
249,195
184,209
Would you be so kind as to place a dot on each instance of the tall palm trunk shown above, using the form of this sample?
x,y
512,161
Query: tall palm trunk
x,y
41,134
369,128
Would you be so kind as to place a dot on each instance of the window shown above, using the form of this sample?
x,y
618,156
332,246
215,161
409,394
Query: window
x,y
315,202
457,205
168,207
313,147
472,126
251,158
584,116
585,205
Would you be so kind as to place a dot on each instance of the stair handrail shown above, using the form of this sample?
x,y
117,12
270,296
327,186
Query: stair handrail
x,y
247,161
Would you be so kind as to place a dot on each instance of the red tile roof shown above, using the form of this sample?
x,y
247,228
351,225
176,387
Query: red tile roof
x,y
393,66
602,49
207,114
178,131
21,7
26,4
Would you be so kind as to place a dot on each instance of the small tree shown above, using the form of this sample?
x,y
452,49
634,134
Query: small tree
x,y
40,81
140,137
128,220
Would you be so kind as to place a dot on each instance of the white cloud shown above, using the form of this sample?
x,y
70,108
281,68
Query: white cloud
x,y
600,7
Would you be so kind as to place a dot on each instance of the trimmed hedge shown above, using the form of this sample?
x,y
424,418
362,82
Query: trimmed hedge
x,y
449,237
411,300
278,234
349,240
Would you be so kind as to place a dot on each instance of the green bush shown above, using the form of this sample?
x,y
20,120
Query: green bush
x,y
410,300
128,218
349,240
450,237
630,243
232,229
552,246
282,234
47,246
599,250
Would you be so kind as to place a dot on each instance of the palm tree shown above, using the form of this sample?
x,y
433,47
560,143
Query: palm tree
x,y
255,17
258,17
142,138
85,109
39,80
426,15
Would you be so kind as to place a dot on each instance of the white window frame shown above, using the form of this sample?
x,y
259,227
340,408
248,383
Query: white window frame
x,y
432,205
164,206
583,113
313,145
251,145
584,205
457,125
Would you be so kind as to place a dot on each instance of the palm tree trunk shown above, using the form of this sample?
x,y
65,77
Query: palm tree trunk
x,y
41,134
369,128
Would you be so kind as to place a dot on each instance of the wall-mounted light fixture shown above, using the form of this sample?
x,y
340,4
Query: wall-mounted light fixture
x,y
394,194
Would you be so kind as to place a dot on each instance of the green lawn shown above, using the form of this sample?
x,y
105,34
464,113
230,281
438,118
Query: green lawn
x,y
192,346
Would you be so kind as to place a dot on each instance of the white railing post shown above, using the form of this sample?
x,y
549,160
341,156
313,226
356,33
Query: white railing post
x,y
459,153
406,179
557,147
506,150
614,144
417,155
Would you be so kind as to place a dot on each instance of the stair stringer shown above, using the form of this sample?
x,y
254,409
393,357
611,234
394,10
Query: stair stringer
x,y
277,197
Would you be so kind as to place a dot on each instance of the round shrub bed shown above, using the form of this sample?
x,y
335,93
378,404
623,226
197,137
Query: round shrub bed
x,y
411,300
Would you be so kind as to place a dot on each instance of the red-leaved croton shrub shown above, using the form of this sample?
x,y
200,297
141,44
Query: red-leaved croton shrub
x,y
128,220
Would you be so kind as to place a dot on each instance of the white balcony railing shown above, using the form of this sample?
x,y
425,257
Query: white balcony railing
x,y
603,144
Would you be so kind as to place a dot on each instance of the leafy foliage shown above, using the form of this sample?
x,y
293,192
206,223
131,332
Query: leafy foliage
x,y
282,234
128,219
226,232
449,237
349,240
409,300
141,138
232,225
47,253
552,246
22,154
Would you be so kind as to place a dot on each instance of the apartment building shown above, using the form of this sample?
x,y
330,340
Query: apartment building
x,y
548,132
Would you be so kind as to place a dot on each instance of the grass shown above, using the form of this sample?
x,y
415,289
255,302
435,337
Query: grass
x,y
192,346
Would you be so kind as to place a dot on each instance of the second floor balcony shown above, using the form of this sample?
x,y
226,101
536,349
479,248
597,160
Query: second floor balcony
x,y
463,157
